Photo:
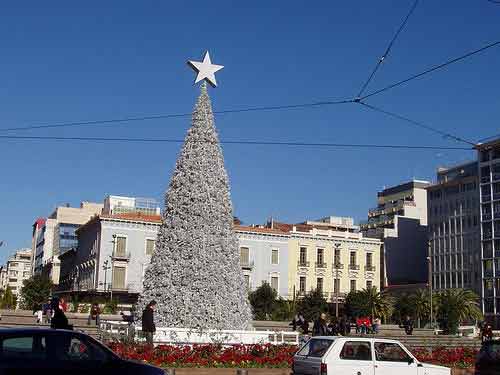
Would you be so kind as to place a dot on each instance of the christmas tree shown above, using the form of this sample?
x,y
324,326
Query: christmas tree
x,y
195,275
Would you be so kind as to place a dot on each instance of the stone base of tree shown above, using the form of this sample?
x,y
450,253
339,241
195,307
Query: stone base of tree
x,y
263,371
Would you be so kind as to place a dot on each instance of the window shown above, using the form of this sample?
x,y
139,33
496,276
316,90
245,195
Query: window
x,y
121,246
27,266
13,264
244,256
336,285
12,273
275,256
315,348
26,274
25,348
75,349
352,259
320,256
369,260
390,352
275,282
302,284
356,351
150,246
12,280
247,281
303,255
119,277
336,257
369,284
319,284
353,285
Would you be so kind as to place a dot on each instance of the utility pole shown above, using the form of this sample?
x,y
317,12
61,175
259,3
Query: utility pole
x,y
336,282
105,267
429,261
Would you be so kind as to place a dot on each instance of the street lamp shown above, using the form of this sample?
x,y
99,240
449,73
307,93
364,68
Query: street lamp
x,y
106,267
429,261
336,282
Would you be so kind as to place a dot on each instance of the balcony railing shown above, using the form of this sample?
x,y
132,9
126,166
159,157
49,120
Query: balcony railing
x,y
370,268
320,265
302,263
354,266
118,255
247,264
338,266
341,296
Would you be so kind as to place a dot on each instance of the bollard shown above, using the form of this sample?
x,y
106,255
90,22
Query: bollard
x,y
241,371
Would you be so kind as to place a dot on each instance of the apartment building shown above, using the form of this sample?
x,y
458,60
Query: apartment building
x,y
400,222
454,231
489,198
17,270
116,204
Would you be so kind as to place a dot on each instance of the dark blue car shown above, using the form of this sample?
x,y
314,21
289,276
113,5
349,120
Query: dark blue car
x,y
488,358
49,351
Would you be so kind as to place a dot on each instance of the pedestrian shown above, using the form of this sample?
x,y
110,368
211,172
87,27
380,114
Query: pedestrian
x,y
63,305
47,311
305,327
376,325
148,323
408,325
342,326
487,332
38,312
59,320
94,314
294,322
320,327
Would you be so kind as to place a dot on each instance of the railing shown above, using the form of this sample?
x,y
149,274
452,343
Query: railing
x,y
486,217
370,268
354,266
320,265
247,264
337,266
186,336
302,264
120,255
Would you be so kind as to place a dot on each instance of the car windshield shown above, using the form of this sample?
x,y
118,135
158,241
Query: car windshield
x,y
315,347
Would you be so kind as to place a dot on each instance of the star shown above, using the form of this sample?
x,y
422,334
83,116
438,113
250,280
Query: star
x,y
206,70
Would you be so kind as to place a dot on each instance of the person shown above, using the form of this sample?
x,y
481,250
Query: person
x,y
408,325
94,314
320,327
343,326
376,325
38,312
63,305
305,327
47,311
296,321
487,332
148,323
59,320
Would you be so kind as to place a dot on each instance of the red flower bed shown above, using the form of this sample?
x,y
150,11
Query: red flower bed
x,y
272,356
209,355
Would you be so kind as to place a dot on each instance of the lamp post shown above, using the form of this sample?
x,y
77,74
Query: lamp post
x,y
336,282
105,267
429,261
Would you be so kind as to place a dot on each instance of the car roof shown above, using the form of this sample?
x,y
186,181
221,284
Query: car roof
x,y
354,338
30,331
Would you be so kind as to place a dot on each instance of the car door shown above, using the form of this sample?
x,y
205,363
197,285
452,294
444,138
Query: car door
x,y
308,359
23,354
392,359
355,358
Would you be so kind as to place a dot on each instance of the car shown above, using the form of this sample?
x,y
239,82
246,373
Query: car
x,y
488,358
339,355
54,351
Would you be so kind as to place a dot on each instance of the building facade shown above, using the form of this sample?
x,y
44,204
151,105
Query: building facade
x,y
489,197
112,255
400,222
454,231
264,257
18,269
115,204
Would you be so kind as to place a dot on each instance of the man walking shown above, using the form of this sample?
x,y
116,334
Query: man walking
x,y
148,323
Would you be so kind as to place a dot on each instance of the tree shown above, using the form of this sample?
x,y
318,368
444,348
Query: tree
x,y
369,302
402,307
420,305
312,304
35,291
263,301
8,300
195,275
455,306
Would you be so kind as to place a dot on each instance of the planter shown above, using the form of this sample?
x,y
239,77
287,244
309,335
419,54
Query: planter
x,y
228,371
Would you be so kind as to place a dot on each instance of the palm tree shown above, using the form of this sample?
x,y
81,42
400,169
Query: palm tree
x,y
455,306
420,305
379,304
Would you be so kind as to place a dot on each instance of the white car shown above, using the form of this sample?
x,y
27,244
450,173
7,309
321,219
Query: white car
x,y
328,355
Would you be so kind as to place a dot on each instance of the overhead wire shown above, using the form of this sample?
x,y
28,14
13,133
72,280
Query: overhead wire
x,y
234,142
418,124
427,71
388,49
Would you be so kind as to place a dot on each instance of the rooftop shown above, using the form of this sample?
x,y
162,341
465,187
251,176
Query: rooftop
x,y
414,184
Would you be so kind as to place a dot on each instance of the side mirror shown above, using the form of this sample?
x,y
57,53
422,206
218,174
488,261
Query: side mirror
x,y
410,361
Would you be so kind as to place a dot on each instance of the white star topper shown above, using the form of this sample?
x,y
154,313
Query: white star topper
x,y
206,70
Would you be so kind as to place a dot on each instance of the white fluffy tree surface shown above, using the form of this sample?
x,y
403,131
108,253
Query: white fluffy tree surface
x,y
195,275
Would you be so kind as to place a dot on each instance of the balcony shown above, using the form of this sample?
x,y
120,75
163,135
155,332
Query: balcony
x,y
320,265
341,296
354,266
247,264
301,263
337,266
119,255
129,288
370,268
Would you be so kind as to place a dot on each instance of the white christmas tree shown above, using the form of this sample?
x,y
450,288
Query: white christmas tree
x,y
195,275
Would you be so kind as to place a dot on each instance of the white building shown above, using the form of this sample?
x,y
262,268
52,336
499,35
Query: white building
x,y
115,204
18,269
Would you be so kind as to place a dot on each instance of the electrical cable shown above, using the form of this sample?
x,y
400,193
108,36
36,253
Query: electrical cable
x,y
234,142
417,123
430,70
388,50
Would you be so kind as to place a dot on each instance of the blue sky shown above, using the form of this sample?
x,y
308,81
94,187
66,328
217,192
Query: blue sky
x,y
64,61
